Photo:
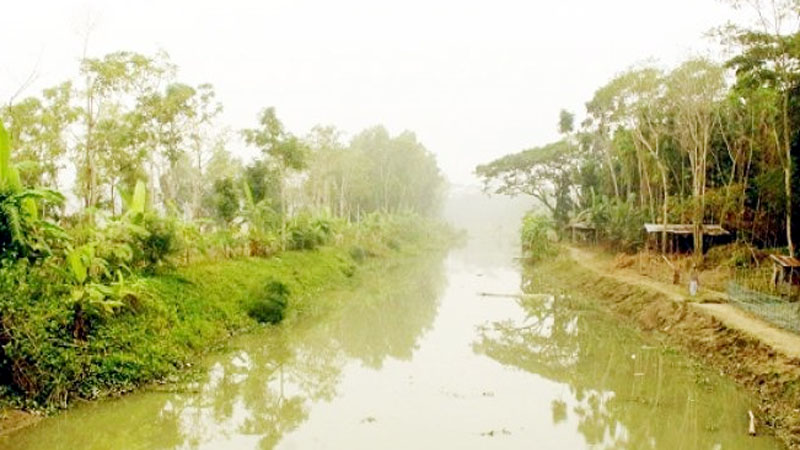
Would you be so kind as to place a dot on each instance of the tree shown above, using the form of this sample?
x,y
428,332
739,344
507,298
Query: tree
x,y
769,58
327,169
177,122
566,122
121,153
203,138
116,79
394,173
693,90
544,173
225,200
603,112
639,109
38,129
263,180
284,150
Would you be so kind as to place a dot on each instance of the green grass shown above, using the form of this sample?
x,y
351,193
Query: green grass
x,y
52,350
199,307
177,317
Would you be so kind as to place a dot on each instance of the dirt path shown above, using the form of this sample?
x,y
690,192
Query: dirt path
x,y
780,340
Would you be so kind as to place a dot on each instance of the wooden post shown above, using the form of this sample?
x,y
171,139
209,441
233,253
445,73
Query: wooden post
x,y
775,275
676,274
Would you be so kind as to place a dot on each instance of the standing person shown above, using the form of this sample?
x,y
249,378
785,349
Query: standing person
x,y
694,281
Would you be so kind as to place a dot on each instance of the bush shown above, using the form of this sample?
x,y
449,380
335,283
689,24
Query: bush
x,y
307,233
537,236
160,242
126,246
380,232
358,253
271,305
619,222
36,321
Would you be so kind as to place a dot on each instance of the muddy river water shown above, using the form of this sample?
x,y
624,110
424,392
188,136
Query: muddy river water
x,y
418,359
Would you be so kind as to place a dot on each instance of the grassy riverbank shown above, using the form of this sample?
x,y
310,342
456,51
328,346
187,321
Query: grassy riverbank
x,y
172,318
771,376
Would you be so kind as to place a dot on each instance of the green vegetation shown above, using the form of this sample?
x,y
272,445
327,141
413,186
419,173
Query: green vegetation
x,y
169,244
173,317
537,236
270,307
701,143
77,337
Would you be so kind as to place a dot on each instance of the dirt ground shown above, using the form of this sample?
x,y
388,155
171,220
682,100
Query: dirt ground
x,y
760,357
709,301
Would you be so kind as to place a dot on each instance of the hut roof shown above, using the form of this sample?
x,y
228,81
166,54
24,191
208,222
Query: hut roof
x,y
785,261
681,228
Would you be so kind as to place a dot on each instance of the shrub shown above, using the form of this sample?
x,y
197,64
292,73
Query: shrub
x,y
358,253
271,304
160,242
380,232
619,222
36,322
307,233
537,236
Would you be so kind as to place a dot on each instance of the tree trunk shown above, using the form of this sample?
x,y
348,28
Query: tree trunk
x,y
787,174
610,163
665,209
283,208
88,157
787,177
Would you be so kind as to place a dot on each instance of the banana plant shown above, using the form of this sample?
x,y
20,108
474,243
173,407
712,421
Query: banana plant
x,y
261,222
22,232
134,203
84,267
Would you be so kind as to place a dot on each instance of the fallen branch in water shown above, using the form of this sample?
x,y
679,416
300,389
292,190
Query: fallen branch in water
x,y
492,294
752,429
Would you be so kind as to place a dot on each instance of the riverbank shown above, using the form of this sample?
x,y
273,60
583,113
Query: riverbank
x,y
766,364
411,340
174,318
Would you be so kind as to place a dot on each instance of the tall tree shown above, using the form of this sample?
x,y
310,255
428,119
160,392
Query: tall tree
x,y
117,79
545,173
38,129
769,58
693,90
283,149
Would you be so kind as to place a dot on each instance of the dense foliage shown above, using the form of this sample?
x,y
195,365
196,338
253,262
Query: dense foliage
x,y
537,236
164,244
700,143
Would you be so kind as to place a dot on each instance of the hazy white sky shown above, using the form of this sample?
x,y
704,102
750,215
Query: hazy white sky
x,y
474,80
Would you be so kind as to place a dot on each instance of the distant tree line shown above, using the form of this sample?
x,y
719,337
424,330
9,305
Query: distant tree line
x,y
127,118
156,185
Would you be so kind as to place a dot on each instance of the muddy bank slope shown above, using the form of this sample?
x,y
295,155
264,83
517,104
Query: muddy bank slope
x,y
770,374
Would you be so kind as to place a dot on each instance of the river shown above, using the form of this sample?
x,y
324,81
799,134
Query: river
x,y
418,359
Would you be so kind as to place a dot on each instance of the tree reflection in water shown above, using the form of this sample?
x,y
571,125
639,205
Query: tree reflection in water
x,y
266,389
622,390
254,395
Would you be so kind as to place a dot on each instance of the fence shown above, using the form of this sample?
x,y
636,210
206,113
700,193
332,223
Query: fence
x,y
751,290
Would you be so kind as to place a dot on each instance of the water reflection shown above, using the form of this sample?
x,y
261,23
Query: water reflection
x,y
621,392
389,315
416,358
252,397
